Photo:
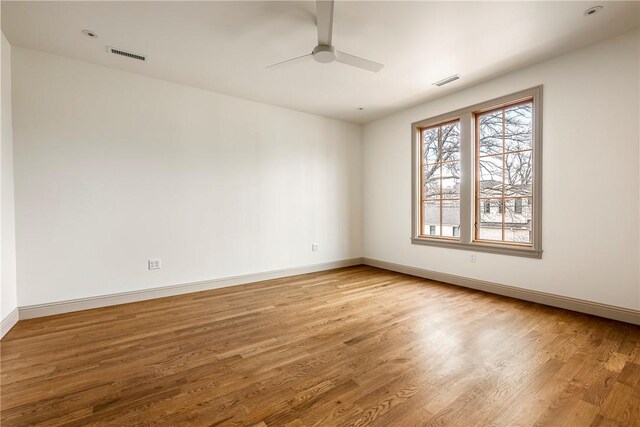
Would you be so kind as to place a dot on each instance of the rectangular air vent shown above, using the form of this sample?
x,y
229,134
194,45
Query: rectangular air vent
x,y
125,53
447,80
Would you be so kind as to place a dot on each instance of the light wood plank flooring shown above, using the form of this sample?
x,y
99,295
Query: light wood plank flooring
x,y
349,347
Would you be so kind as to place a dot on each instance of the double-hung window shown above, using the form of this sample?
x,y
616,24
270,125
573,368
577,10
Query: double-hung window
x,y
477,177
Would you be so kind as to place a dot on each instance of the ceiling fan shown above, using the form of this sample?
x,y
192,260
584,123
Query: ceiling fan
x,y
324,52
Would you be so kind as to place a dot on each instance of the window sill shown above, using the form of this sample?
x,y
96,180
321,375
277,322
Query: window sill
x,y
526,252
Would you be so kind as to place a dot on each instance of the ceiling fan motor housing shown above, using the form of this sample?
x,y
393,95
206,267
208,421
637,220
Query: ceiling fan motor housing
x,y
324,54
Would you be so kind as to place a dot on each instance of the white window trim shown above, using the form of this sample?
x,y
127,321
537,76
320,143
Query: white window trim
x,y
467,179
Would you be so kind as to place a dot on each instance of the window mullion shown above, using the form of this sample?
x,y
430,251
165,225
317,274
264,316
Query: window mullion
x,y
504,171
467,178
440,157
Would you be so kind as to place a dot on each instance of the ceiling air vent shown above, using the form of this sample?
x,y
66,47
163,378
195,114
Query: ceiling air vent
x,y
126,54
447,80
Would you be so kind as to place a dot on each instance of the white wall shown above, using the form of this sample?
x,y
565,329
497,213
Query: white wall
x,y
591,129
113,168
8,294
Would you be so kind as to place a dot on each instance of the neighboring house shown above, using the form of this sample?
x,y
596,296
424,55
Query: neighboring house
x,y
516,215
450,219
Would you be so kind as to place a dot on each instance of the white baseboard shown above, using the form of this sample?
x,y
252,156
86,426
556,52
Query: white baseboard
x,y
48,309
8,322
574,304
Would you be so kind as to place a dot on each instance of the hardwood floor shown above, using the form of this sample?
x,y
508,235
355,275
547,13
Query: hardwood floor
x,y
350,347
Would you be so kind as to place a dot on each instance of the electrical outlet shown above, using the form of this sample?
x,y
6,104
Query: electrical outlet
x,y
473,258
315,247
155,264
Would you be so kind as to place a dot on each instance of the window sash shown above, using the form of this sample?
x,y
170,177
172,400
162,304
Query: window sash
x,y
502,199
440,199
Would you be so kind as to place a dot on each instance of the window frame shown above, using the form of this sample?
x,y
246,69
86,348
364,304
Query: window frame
x,y
468,178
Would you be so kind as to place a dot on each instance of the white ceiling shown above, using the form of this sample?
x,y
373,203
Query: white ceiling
x,y
225,46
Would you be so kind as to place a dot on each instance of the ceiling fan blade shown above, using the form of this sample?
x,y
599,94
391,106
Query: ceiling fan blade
x,y
356,61
324,21
292,60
